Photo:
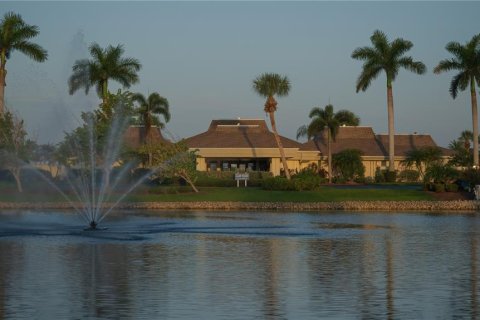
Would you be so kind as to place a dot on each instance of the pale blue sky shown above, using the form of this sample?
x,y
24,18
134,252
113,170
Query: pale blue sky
x,y
202,56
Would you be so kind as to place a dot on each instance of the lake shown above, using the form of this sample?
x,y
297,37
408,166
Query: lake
x,y
240,265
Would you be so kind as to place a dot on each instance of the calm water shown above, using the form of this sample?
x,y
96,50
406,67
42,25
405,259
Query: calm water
x,y
227,265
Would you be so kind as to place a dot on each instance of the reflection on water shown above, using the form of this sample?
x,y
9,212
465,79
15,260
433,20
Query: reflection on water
x,y
231,265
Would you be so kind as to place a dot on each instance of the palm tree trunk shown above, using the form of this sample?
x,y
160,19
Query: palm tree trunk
x,y
16,174
3,75
329,147
475,122
279,143
391,128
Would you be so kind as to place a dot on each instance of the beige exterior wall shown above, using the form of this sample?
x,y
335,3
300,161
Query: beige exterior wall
x,y
296,159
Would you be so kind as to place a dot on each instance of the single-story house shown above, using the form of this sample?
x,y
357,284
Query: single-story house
x,y
248,144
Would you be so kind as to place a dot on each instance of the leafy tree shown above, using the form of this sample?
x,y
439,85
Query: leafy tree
x,y
422,158
388,57
466,61
348,165
461,147
269,85
172,160
329,121
14,36
14,146
106,64
148,109
440,173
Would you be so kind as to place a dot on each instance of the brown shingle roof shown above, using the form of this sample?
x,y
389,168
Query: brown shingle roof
x,y
361,138
242,133
407,142
134,136
364,139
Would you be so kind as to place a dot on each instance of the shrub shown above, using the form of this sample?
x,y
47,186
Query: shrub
x,y
472,176
369,180
379,175
278,183
451,187
390,176
409,175
307,182
439,187
439,173
347,164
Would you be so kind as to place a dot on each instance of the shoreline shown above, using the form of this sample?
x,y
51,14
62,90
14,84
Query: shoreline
x,y
424,205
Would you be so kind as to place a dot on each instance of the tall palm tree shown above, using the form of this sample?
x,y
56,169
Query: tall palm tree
x,y
105,64
148,108
388,57
466,137
329,121
14,35
269,85
466,60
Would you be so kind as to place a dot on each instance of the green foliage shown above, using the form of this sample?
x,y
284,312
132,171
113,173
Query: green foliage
x,y
348,165
472,176
451,187
14,36
172,160
462,153
439,173
379,175
278,183
96,131
15,148
390,176
408,175
422,157
149,108
385,56
105,64
271,84
227,178
439,187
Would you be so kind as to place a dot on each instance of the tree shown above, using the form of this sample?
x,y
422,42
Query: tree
x,y
106,64
423,157
149,108
329,121
172,160
466,61
269,85
15,35
14,146
348,164
388,57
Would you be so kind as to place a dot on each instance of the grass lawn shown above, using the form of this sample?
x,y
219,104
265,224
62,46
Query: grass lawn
x,y
8,193
259,195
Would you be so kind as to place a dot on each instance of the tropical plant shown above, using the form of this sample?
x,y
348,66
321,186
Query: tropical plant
x,y
388,57
422,158
148,108
14,146
348,165
440,173
173,160
106,64
15,35
269,85
329,121
461,147
466,61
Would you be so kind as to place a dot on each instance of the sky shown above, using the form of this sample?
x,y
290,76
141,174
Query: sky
x,y
203,56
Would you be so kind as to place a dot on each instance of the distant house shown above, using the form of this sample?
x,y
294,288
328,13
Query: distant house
x,y
135,135
245,144
248,144
373,147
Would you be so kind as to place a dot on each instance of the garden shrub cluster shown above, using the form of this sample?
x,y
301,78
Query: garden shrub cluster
x,y
299,182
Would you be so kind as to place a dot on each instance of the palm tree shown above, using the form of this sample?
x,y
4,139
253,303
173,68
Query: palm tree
x,y
268,85
326,119
105,64
149,108
466,60
388,57
14,35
